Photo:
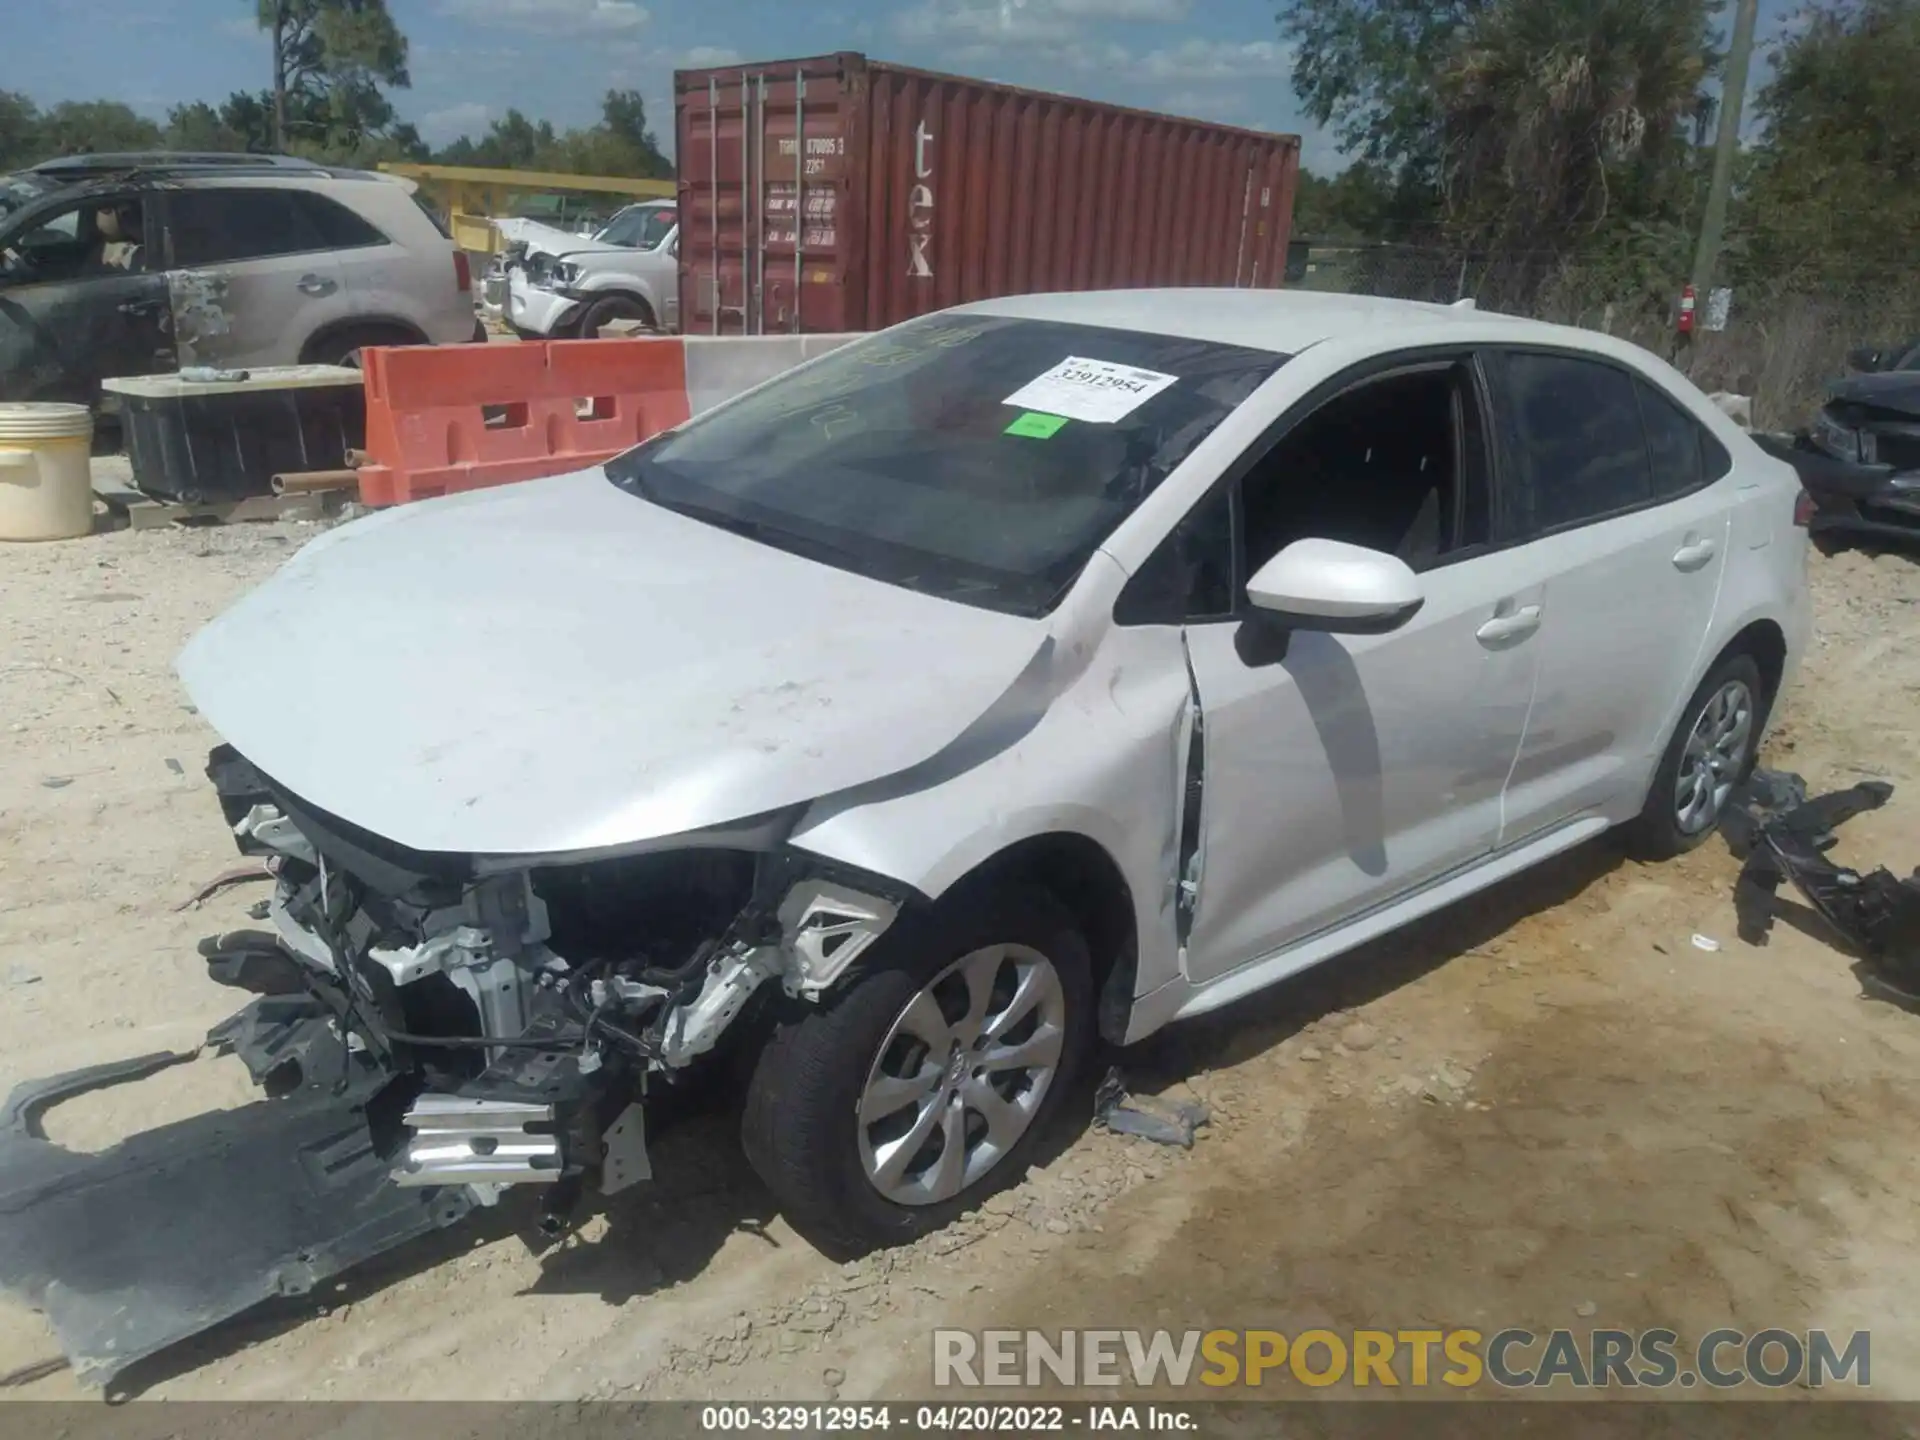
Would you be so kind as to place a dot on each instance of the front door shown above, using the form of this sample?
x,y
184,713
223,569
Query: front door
x,y
1341,771
79,302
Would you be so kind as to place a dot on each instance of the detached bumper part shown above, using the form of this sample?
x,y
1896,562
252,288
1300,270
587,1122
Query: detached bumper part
x,y
176,1229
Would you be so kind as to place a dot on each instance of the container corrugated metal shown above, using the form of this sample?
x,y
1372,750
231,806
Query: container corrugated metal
x,y
915,191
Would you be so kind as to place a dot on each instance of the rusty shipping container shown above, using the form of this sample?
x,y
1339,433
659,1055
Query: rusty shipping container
x,y
838,193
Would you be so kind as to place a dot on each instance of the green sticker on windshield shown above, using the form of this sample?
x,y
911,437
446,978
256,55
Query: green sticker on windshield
x,y
1035,426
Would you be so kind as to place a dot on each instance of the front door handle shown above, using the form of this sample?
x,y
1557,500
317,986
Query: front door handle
x,y
1693,554
1515,625
316,285
140,307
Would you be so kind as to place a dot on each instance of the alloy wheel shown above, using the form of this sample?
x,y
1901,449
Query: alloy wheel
x,y
1715,755
961,1074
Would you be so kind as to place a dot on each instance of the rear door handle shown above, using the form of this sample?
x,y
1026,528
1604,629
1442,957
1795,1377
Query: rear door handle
x,y
140,307
1514,626
316,285
1693,554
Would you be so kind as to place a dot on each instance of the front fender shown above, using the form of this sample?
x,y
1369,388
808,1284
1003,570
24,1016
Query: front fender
x,y
1104,760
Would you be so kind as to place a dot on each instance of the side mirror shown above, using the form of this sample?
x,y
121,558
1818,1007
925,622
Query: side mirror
x,y
1330,585
1865,358
673,247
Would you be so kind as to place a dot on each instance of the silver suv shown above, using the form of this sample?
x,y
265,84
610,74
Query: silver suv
x,y
115,265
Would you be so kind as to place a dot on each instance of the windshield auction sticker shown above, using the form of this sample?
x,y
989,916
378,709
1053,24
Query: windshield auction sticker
x,y
1096,391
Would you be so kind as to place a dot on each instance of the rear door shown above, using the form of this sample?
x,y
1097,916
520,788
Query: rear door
x,y
67,322
1631,555
250,277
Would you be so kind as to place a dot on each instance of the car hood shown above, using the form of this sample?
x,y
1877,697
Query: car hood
x,y
1897,390
560,666
545,240
537,235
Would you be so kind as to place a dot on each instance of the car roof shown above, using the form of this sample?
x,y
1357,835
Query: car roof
x,y
188,167
1283,321
170,160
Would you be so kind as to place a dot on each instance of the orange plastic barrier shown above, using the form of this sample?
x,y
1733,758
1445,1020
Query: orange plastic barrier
x,y
460,417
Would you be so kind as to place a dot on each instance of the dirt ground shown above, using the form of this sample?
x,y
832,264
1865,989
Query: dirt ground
x,y
1544,1107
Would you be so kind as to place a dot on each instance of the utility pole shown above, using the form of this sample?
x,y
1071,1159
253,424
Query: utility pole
x,y
1732,95
280,77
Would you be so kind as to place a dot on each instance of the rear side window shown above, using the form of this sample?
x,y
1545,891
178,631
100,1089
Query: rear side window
x,y
337,226
1576,428
213,227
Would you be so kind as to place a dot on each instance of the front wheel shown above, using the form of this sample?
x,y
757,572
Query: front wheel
x,y
609,308
923,1086
1711,753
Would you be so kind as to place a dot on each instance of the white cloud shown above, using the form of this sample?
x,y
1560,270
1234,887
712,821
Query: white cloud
x,y
1165,10
442,127
553,17
707,57
1196,59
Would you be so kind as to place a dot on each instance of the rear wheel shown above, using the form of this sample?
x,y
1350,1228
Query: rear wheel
x,y
1711,753
924,1085
344,347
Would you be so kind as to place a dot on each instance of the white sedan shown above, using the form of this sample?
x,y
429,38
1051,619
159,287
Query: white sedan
x,y
1043,670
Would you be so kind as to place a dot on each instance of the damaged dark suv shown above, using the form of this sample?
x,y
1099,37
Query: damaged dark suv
x,y
127,265
1861,460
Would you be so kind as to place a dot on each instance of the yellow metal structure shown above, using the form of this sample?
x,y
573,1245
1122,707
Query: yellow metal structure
x,y
471,194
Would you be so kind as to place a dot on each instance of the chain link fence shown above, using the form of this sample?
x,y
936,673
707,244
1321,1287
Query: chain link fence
x,y
1783,337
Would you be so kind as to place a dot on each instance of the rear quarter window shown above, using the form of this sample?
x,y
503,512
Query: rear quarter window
x,y
337,226
1684,453
426,208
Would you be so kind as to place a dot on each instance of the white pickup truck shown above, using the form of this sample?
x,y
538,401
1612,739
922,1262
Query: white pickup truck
x,y
550,285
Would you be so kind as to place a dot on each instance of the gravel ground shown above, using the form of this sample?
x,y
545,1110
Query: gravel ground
x,y
1541,1107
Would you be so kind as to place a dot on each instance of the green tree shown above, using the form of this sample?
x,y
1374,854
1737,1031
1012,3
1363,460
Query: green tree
x,y
198,126
1833,190
1558,115
19,131
621,144
1514,123
331,59
76,127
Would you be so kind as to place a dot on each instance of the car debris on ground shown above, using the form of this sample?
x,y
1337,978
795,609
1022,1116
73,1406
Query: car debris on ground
x,y
1781,834
1147,1117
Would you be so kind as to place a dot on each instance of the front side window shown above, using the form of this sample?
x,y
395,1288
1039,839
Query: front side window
x,y
643,227
216,227
1577,434
1395,464
102,235
977,457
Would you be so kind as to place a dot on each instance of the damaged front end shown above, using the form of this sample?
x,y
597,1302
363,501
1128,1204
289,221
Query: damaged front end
x,y
428,1030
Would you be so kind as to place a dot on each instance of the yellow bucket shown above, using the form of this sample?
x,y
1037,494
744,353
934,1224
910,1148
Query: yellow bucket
x,y
46,483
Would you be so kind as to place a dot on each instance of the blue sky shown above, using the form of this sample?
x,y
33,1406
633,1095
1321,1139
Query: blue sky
x,y
1217,60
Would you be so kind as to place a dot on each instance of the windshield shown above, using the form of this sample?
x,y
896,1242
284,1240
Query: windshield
x,y
19,190
976,457
643,226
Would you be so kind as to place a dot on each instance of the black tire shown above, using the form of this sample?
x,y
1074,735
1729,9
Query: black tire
x,y
800,1125
1656,833
344,347
611,307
